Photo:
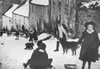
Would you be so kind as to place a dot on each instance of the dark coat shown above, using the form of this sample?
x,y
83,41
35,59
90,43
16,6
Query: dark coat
x,y
33,36
29,45
90,44
39,59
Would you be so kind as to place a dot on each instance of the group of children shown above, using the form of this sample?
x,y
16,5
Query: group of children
x,y
89,43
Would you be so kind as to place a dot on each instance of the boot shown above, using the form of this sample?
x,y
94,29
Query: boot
x,y
25,65
57,47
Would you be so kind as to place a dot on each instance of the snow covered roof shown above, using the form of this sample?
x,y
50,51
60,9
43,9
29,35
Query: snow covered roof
x,y
40,2
98,3
87,4
9,12
23,10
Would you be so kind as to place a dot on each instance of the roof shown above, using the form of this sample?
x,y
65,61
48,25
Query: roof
x,y
98,3
9,12
87,4
40,2
23,10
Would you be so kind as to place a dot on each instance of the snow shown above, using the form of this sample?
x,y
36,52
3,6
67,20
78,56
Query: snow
x,y
43,35
13,54
40,2
86,4
75,40
9,12
98,3
99,35
23,10
93,2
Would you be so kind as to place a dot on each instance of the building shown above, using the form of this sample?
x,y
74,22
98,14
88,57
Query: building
x,y
38,15
21,16
7,19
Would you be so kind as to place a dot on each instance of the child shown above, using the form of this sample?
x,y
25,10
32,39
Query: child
x,y
62,34
90,43
33,35
17,34
29,45
39,58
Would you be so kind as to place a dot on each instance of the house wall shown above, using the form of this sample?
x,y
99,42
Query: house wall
x,y
7,22
20,20
38,17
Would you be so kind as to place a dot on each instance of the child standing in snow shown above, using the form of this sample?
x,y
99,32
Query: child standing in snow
x,y
90,43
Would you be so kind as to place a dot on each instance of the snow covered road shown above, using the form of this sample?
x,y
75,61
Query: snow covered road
x,y
13,54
